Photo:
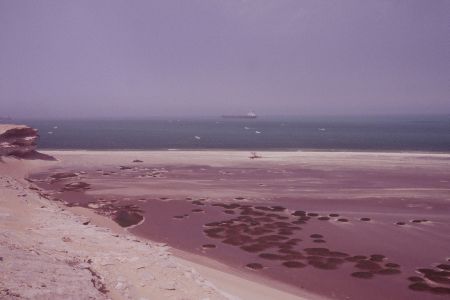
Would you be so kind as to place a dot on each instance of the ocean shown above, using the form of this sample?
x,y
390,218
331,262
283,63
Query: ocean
x,y
374,133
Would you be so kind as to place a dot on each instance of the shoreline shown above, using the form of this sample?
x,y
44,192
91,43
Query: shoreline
x,y
217,283
233,283
266,287
50,252
275,150
230,279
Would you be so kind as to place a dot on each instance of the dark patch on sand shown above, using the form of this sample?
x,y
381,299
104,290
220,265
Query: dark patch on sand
x,y
392,265
316,236
319,241
293,264
254,266
77,186
377,257
356,258
197,202
367,265
126,218
63,175
443,267
299,213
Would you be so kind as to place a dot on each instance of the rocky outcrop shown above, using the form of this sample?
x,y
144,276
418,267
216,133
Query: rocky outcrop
x,y
19,141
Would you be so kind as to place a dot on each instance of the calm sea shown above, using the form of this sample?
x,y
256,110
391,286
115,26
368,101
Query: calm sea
x,y
392,133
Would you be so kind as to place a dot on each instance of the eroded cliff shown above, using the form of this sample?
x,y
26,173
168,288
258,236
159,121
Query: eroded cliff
x,y
19,141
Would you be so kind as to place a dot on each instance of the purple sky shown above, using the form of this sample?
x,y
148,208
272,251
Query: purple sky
x,y
208,57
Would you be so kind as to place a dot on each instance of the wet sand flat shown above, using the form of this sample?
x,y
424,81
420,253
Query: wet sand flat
x,y
342,225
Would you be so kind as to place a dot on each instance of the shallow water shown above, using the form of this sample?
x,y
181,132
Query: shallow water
x,y
345,234
388,133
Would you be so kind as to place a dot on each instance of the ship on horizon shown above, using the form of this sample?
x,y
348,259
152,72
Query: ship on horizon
x,y
249,115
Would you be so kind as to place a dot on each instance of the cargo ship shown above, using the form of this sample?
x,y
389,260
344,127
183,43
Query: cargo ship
x,y
249,115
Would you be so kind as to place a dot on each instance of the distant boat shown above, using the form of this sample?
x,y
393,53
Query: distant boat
x,y
249,115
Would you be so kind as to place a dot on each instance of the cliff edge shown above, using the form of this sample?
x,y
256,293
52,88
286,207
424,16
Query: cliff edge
x,y
20,141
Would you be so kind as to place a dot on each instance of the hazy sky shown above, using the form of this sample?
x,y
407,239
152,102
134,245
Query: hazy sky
x,y
208,57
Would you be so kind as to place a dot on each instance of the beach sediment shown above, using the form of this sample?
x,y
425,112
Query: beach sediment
x,y
53,251
48,252
332,224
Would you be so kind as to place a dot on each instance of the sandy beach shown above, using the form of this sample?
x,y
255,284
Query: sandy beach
x,y
295,225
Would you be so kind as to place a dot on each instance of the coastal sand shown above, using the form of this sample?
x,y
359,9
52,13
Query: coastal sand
x,y
48,252
388,187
